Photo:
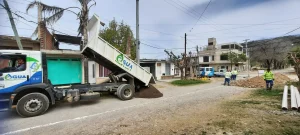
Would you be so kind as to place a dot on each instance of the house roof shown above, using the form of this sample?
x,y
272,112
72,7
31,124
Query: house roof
x,y
5,37
68,39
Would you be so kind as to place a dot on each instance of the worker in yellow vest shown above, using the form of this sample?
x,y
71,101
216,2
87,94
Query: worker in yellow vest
x,y
227,77
269,78
234,74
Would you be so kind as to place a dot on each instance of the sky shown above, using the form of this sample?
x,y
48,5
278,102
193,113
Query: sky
x,y
163,23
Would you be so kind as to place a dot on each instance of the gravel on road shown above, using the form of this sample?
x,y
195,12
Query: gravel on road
x,y
165,115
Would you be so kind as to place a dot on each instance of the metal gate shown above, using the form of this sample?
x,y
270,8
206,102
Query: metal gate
x,y
64,71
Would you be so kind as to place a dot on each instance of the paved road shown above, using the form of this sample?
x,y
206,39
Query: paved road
x,y
112,116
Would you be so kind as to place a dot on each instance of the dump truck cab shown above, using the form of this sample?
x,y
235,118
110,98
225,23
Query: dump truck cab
x,y
21,73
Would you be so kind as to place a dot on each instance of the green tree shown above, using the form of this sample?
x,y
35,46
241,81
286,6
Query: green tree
x,y
119,35
235,58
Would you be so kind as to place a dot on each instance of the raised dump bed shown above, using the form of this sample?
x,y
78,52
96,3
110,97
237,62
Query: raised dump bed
x,y
105,54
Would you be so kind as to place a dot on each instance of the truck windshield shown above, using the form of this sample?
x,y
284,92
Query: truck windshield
x,y
12,63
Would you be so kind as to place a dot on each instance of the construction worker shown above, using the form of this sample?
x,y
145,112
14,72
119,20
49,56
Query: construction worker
x,y
269,78
234,74
227,77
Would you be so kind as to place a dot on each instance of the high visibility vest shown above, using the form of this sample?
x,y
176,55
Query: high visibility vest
x,y
234,72
227,75
268,75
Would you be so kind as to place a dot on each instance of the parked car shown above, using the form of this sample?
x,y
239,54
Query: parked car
x,y
220,73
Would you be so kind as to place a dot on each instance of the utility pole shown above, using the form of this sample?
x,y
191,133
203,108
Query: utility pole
x,y
137,33
11,19
185,62
248,57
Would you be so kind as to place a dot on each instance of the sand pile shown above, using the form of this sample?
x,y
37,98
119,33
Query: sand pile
x,y
259,82
150,92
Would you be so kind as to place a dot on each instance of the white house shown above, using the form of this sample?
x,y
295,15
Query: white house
x,y
160,69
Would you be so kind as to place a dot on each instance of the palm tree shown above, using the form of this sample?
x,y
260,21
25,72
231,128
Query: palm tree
x,y
57,12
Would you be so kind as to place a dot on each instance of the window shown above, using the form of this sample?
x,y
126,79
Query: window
x,y
232,46
224,57
213,58
205,58
12,63
225,47
208,69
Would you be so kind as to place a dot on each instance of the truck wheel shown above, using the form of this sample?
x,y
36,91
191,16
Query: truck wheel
x,y
125,92
32,104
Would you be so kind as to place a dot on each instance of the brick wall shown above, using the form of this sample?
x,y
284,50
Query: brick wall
x,y
45,37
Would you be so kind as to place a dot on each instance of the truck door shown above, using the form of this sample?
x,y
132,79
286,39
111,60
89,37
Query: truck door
x,y
14,72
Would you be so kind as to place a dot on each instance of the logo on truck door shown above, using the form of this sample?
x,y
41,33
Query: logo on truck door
x,y
35,66
123,62
14,77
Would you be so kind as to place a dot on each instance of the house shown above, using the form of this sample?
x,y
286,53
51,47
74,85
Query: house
x,y
64,66
160,69
216,55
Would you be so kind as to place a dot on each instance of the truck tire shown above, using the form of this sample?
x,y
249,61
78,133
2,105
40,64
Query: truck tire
x,y
125,92
32,104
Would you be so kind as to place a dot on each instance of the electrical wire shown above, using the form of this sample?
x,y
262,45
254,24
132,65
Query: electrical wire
x,y
249,25
291,31
201,15
18,28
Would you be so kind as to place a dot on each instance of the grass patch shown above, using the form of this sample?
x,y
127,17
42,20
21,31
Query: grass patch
x,y
257,113
187,82
274,93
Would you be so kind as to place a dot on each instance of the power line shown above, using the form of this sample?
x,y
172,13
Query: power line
x,y
163,48
17,2
70,30
291,31
201,15
250,25
195,13
35,23
18,28
191,15
152,46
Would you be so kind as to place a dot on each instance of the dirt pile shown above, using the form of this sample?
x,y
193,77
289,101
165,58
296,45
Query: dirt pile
x,y
148,92
259,82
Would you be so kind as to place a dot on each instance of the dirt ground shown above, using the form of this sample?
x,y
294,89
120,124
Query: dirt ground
x,y
204,109
253,112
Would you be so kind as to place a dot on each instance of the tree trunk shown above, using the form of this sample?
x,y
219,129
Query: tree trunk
x,y
269,63
181,71
85,22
